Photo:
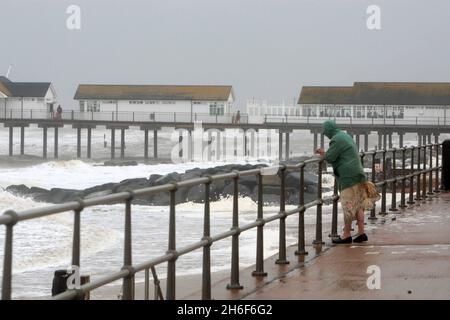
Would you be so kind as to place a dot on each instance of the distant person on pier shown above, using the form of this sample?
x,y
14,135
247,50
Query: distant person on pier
x,y
59,113
356,193
238,117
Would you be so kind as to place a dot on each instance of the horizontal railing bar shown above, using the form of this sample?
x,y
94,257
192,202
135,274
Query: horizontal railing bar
x,y
274,217
224,235
192,247
47,211
249,226
153,262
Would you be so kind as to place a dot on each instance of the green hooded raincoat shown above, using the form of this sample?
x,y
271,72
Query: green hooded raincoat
x,y
343,156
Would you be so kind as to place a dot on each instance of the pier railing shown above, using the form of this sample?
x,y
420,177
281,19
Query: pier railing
x,y
227,118
417,169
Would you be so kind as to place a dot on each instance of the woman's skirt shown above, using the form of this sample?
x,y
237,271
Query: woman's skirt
x,y
358,198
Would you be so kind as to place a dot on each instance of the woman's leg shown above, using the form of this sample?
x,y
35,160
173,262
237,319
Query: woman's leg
x,y
360,219
347,230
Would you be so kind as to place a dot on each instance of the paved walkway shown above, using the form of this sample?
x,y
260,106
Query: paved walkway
x,y
412,252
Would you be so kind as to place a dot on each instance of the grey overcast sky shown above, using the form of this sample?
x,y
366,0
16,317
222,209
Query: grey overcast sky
x,y
265,48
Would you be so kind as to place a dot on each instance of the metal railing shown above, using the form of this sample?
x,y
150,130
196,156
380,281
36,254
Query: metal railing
x,y
227,118
421,171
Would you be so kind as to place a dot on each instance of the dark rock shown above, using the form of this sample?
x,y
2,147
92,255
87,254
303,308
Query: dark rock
x,y
168,178
293,179
102,187
229,190
20,189
98,194
161,199
132,184
153,178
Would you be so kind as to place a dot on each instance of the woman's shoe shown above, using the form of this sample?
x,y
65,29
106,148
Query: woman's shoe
x,y
339,240
361,238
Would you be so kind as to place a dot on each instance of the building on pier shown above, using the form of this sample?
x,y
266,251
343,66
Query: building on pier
x,y
156,102
21,99
260,110
371,100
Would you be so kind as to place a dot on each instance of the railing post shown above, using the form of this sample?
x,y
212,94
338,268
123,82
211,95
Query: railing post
x,y
235,239
128,281
282,238
259,272
8,256
171,264
394,183
146,285
424,175
430,177
436,181
334,215
418,188
373,212
301,214
403,198
206,273
76,236
318,239
384,186
411,178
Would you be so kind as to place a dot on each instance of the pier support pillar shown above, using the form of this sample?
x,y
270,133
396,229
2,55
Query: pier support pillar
x,y
315,141
280,145
55,143
78,142
429,138
384,141
122,143
245,144
113,143
366,142
287,151
11,134
400,140
190,146
180,145
155,143
357,141
146,144
380,143
89,142
22,140
44,142
390,140
218,146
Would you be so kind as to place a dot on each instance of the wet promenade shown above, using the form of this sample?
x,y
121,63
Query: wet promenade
x,y
410,247
412,252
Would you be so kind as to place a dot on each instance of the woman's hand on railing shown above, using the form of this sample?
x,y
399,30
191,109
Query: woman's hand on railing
x,y
320,152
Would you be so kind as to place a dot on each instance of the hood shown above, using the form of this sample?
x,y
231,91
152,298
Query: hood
x,y
330,129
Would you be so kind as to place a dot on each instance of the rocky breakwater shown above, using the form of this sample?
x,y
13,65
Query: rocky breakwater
x,y
218,189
